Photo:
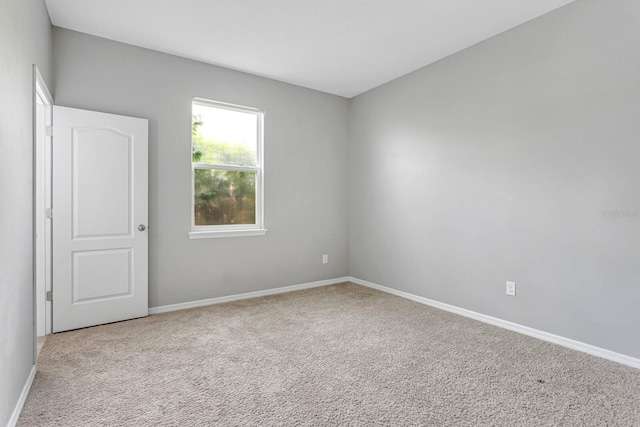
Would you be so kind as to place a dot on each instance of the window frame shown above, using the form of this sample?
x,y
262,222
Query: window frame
x,y
231,230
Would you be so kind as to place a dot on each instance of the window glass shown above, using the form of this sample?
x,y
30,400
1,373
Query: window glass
x,y
224,197
224,137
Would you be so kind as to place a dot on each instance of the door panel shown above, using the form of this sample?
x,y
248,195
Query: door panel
x,y
102,171
101,275
99,199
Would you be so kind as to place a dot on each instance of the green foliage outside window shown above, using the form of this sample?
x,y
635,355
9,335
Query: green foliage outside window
x,y
222,197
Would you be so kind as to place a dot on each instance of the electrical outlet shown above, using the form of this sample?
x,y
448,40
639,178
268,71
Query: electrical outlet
x,y
511,288
325,259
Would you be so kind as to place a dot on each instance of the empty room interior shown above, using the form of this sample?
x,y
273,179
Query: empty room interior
x,y
288,212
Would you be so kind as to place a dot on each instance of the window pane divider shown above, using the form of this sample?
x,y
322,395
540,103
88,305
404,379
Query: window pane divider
x,y
225,167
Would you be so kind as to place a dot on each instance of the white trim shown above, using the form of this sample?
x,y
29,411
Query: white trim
x,y
213,167
227,233
42,155
43,86
227,106
545,336
237,297
23,397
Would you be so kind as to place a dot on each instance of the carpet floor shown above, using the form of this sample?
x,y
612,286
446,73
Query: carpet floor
x,y
336,355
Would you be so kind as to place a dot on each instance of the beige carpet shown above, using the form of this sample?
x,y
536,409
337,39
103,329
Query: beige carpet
x,y
337,355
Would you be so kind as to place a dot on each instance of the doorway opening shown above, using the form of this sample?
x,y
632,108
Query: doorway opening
x,y
42,206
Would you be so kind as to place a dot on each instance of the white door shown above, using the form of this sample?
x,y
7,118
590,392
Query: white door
x,y
99,218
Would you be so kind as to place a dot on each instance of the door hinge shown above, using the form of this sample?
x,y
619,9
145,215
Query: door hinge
x,y
48,130
49,213
49,296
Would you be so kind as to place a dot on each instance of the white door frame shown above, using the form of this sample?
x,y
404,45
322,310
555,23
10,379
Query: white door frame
x,y
42,125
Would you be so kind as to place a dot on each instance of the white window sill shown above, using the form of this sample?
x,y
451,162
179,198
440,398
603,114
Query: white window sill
x,y
209,234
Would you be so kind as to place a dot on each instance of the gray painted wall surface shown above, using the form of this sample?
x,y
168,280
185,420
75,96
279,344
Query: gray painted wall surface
x,y
497,164
25,39
306,200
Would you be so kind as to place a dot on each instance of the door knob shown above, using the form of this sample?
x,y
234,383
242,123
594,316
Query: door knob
x,y
141,227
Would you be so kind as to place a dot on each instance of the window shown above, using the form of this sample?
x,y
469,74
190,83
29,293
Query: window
x,y
227,177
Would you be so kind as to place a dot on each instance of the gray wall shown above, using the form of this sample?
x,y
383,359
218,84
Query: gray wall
x,y
497,163
306,200
25,39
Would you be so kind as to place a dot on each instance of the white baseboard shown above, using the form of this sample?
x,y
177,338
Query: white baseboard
x,y
545,336
23,397
229,298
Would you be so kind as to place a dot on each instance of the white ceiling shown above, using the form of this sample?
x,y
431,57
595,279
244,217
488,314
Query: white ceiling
x,y
344,47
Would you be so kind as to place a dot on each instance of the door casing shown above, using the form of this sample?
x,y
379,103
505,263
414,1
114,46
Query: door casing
x,y
42,242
